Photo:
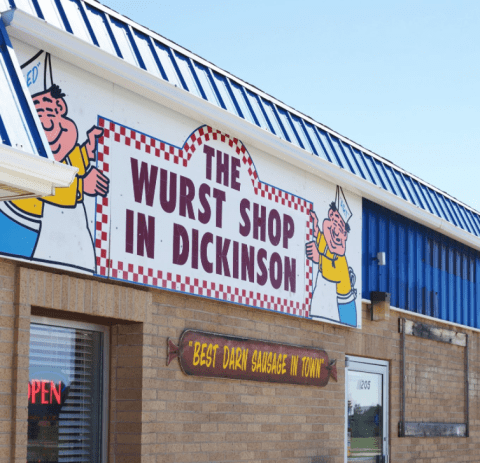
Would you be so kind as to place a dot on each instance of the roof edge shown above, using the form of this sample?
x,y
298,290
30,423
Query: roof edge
x,y
75,50
145,30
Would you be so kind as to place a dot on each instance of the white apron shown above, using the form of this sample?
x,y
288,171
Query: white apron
x,y
324,299
64,238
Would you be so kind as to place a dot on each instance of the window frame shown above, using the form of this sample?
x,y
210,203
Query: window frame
x,y
105,330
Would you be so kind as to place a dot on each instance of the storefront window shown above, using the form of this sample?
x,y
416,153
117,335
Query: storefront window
x,y
65,393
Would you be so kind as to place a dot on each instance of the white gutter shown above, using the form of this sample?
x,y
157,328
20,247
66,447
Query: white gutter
x,y
40,34
31,175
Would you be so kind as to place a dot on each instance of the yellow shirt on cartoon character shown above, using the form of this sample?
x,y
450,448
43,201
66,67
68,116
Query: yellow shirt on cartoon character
x,y
64,237
64,197
333,268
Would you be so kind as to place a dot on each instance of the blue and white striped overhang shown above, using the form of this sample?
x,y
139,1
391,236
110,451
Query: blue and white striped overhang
x,y
101,27
27,166
19,128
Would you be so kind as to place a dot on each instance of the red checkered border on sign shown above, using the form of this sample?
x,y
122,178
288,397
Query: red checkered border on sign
x,y
168,280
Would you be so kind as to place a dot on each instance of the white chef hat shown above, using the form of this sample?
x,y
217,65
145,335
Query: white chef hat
x,y
342,205
37,72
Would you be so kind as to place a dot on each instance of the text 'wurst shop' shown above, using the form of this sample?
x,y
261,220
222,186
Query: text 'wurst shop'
x,y
210,275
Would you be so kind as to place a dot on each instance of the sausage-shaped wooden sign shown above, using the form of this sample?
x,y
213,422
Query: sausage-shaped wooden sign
x,y
217,356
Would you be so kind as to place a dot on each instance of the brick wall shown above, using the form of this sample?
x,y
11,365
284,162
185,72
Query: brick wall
x,y
435,392
158,414
221,420
126,380
8,355
435,383
206,420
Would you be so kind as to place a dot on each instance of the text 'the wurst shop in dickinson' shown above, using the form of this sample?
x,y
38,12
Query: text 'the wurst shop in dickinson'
x,y
225,279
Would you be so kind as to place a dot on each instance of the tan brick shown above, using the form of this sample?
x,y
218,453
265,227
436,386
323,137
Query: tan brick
x,y
158,414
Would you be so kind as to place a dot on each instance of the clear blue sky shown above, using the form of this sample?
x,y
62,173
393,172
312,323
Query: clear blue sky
x,y
400,78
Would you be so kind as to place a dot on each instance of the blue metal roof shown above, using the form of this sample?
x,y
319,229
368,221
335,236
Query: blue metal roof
x,y
106,29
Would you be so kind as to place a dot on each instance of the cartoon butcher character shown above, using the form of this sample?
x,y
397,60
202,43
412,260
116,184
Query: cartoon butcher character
x,y
64,237
334,293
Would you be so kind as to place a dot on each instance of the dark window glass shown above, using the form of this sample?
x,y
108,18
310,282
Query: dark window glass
x,y
64,395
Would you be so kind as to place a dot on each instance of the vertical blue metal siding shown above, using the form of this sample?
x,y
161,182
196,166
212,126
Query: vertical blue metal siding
x,y
425,271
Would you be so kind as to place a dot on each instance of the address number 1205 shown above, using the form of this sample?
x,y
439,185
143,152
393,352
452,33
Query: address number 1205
x,y
363,384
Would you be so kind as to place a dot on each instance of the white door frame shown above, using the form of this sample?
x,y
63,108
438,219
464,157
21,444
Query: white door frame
x,y
369,366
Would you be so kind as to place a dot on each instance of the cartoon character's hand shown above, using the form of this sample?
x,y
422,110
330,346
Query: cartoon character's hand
x,y
93,134
315,223
95,183
312,252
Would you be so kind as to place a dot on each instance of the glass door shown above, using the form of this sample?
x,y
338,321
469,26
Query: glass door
x,y
366,410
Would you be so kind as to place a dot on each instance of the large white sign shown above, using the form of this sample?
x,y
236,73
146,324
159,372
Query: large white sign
x,y
197,219
162,200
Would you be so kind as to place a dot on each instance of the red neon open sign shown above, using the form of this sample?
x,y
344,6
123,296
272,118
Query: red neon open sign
x,y
45,392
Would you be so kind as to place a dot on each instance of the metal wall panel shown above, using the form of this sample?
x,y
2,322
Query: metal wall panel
x,y
121,36
25,5
146,50
186,71
168,64
288,127
315,140
226,93
100,27
76,20
259,114
51,13
205,82
425,271
326,146
301,132
273,119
